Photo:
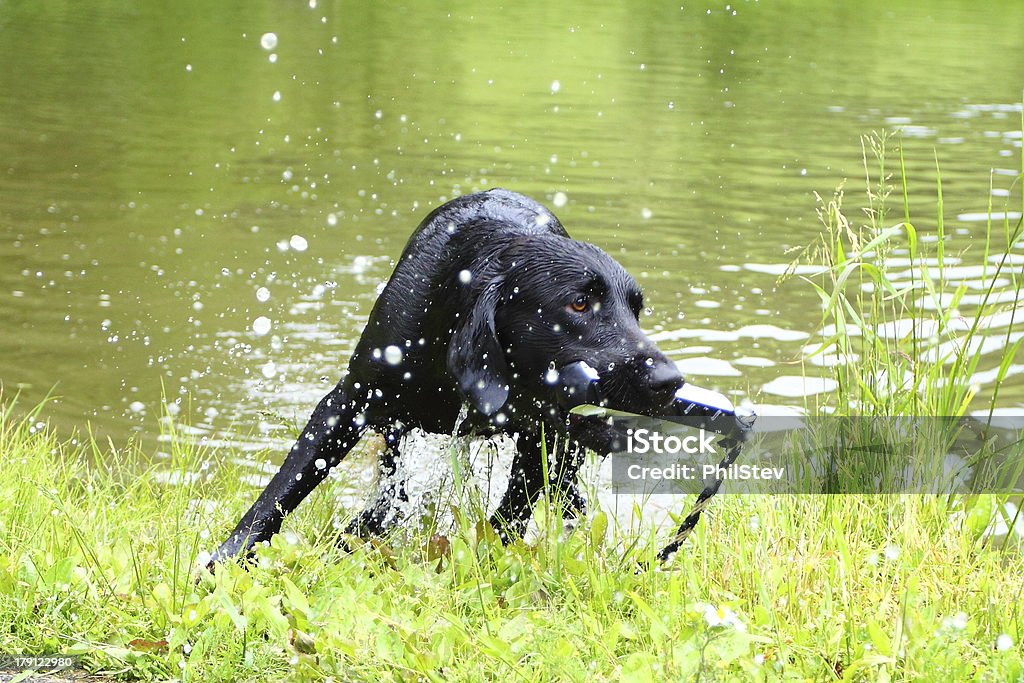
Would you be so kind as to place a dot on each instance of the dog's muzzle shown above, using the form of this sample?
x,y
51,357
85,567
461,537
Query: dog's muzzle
x,y
579,384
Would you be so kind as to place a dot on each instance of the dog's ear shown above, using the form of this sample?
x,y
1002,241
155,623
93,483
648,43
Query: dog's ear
x,y
475,358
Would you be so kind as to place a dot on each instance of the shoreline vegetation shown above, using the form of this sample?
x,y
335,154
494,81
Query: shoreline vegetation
x,y
99,545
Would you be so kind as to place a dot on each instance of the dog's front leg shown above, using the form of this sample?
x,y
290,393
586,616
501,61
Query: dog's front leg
x,y
566,481
331,432
591,433
525,483
597,434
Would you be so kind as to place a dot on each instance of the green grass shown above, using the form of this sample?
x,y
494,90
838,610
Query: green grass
x,y
98,553
917,342
917,317
97,558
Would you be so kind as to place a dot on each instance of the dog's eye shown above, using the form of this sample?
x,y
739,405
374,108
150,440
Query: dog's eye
x,y
580,303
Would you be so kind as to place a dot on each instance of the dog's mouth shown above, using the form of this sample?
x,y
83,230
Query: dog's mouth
x,y
578,383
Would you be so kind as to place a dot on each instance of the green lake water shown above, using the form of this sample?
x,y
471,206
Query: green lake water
x,y
169,185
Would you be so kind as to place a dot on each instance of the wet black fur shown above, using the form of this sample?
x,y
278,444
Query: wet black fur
x,y
481,306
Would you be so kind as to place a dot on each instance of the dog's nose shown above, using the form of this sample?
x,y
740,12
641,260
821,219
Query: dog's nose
x,y
664,379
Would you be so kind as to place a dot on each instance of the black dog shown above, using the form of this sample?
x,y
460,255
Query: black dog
x,y
489,298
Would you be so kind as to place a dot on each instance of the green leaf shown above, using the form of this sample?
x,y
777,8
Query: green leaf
x,y
60,573
443,645
228,608
610,637
879,639
979,516
296,599
911,239
639,668
731,645
882,236
163,596
598,529
657,624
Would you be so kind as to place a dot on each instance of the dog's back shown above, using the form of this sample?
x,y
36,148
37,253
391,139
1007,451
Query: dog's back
x,y
402,349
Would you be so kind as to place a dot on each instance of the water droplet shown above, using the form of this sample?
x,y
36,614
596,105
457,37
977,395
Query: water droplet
x,y
298,243
393,355
559,200
137,406
320,463
261,325
551,376
465,277
268,41
555,86
276,96
646,213
262,294
269,370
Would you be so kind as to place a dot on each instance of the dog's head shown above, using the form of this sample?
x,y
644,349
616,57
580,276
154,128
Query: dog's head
x,y
543,302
